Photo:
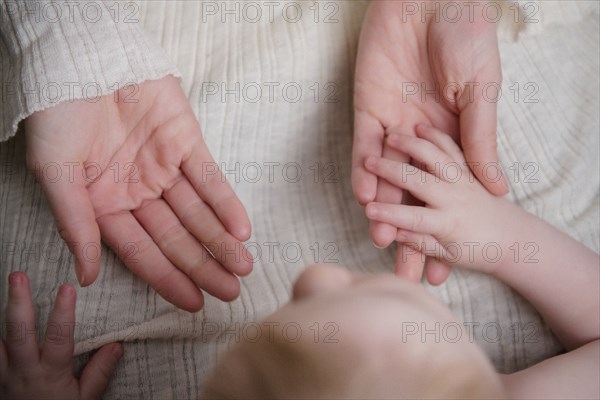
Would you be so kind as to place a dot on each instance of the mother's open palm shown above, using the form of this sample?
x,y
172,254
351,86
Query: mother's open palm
x,y
416,68
133,169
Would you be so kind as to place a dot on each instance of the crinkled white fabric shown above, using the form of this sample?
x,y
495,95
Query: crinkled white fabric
x,y
299,140
56,51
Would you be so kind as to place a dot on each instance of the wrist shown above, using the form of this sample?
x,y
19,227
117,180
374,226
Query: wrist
x,y
505,240
522,241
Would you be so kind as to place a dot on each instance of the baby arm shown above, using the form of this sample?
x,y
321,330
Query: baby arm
x,y
27,372
465,225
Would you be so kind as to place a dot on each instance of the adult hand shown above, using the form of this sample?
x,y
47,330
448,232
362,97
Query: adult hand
x,y
133,168
412,68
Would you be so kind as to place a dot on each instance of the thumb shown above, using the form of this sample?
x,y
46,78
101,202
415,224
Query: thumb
x,y
478,139
76,222
97,373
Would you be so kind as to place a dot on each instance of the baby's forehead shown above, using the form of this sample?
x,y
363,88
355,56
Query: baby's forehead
x,y
380,311
389,288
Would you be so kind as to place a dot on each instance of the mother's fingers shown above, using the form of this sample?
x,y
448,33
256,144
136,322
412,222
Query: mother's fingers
x,y
478,119
97,372
199,219
436,271
76,223
368,141
212,187
142,256
58,342
417,254
21,335
409,263
184,251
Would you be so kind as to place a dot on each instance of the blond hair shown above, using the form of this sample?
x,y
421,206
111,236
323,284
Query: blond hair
x,y
276,368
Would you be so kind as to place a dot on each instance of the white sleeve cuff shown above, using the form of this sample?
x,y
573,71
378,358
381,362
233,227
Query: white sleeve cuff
x,y
56,51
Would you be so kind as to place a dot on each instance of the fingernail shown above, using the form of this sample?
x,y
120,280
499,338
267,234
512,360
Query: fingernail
x,y
80,276
117,350
66,291
371,211
371,162
243,233
247,256
393,139
15,279
378,247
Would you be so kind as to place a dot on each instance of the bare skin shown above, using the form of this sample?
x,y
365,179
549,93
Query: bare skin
x,y
139,176
30,372
404,53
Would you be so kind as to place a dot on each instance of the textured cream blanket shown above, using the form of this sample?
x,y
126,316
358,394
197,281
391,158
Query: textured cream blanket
x,y
275,103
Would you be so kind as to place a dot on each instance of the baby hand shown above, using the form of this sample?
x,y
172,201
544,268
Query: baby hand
x,y
27,372
462,222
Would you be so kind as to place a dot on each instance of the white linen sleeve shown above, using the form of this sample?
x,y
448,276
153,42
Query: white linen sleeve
x,y
56,51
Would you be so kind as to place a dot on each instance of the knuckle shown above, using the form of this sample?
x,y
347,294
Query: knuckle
x,y
447,226
171,236
199,269
194,210
417,220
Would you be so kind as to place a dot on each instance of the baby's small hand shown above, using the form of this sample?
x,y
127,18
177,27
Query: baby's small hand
x,y
28,372
462,223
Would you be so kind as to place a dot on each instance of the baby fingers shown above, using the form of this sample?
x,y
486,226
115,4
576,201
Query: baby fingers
x,y
427,154
58,343
21,336
443,141
421,184
411,218
97,373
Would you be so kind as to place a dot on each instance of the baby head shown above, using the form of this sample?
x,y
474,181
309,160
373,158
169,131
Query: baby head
x,y
352,336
